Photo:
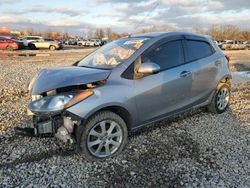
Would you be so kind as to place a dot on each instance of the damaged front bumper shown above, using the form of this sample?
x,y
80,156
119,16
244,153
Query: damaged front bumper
x,y
50,115
62,126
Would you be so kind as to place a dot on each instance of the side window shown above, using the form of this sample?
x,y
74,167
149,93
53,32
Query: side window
x,y
198,49
3,40
166,56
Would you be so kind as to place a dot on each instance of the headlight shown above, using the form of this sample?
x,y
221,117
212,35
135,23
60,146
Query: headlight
x,y
55,103
32,82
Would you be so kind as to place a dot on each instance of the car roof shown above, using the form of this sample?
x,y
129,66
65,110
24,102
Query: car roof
x,y
168,34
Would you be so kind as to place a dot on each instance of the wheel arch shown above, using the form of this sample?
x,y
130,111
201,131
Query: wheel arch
x,y
119,110
52,45
225,79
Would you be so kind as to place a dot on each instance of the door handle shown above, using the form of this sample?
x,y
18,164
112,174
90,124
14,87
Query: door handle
x,y
185,73
217,63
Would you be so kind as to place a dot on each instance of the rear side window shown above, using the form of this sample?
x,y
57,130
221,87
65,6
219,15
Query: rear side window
x,y
33,38
48,40
198,49
166,56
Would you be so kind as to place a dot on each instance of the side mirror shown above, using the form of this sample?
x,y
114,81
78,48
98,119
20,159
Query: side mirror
x,y
149,68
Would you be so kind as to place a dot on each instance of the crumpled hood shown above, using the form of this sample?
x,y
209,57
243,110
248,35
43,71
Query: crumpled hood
x,y
53,78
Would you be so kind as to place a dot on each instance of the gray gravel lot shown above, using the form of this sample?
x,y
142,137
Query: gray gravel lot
x,y
194,150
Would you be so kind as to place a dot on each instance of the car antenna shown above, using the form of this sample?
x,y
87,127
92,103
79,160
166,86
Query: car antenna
x,y
147,15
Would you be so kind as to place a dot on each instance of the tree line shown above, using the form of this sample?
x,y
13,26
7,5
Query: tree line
x,y
218,32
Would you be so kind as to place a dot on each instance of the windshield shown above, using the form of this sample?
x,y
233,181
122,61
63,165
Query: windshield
x,y
113,54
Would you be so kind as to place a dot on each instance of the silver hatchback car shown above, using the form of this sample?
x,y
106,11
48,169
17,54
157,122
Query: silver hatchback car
x,y
127,84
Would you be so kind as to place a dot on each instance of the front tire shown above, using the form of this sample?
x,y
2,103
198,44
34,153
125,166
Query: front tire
x,y
104,136
221,99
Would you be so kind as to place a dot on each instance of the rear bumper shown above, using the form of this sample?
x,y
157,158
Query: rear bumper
x,y
60,47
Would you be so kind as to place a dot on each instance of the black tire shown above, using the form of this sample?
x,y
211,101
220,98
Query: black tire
x,y
214,105
84,134
52,48
32,47
9,48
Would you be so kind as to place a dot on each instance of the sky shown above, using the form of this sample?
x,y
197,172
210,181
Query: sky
x,y
77,16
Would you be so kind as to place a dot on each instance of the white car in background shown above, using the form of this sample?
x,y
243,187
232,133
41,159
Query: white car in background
x,y
82,43
93,42
26,40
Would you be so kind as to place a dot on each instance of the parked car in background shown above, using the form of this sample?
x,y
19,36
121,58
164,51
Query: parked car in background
x,y
66,42
6,43
90,43
46,43
234,45
154,76
247,43
93,42
73,41
82,42
103,42
26,40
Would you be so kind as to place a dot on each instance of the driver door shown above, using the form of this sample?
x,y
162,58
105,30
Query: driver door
x,y
167,91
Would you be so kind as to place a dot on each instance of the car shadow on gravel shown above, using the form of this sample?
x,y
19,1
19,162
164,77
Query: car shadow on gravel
x,y
163,154
156,160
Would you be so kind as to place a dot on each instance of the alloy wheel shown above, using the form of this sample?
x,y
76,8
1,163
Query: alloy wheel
x,y
223,98
104,139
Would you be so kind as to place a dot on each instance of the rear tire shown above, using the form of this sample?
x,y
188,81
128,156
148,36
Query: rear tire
x,y
52,48
103,136
221,99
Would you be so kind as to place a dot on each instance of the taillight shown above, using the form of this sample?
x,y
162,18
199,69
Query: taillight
x,y
228,58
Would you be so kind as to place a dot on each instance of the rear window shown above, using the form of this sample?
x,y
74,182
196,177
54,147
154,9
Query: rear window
x,y
198,49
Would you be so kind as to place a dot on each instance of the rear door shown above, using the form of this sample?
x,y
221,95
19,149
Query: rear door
x,y
38,42
168,90
205,63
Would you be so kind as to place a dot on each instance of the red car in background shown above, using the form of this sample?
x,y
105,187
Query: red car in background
x,y
8,44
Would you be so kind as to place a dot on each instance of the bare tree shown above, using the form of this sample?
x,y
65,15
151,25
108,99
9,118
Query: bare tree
x,y
199,29
108,32
99,33
89,33
245,35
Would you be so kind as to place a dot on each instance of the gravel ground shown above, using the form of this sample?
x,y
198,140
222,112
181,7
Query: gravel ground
x,y
194,150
